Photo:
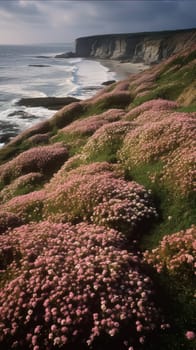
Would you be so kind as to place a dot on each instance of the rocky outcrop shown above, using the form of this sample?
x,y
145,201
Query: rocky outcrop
x,y
136,47
69,54
47,102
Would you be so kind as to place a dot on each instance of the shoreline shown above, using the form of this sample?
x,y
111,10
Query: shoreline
x,y
123,69
120,71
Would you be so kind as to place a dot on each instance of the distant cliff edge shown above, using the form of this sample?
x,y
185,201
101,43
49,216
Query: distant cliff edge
x,y
149,47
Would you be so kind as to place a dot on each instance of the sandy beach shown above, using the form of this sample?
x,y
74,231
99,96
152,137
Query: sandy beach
x,y
123,69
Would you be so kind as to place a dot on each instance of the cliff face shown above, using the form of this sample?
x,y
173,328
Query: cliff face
x,y
136,47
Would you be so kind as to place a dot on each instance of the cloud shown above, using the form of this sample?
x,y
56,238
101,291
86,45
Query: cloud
x,y
27,21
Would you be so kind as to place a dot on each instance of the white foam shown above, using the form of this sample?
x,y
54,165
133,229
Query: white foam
x,y
92,73
21,90
89,75
38,113
76,77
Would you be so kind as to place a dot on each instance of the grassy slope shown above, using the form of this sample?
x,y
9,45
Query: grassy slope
x,y
170,80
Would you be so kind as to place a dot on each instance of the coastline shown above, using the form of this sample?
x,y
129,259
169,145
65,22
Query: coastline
x,y
24,113
123,69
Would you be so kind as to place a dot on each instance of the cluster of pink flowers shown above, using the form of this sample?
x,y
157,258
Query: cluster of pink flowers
x,y
39,159
176,253
100,197
152,105
190,335
179,171
122,86
109,136
143,78
28,181
144,88
152,116
66,115
39,128
151,141
88,126
39,138
28,206
72,285
126,210
8,220
67,171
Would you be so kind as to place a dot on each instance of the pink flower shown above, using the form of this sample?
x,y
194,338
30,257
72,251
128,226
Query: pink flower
x,y
190,335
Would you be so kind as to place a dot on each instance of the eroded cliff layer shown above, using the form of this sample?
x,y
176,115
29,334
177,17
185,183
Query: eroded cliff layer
x,y
136,47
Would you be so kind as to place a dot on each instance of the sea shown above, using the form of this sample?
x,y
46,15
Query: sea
x,y
33,71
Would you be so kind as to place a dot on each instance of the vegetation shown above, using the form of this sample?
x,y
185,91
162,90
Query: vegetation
x,y
97,214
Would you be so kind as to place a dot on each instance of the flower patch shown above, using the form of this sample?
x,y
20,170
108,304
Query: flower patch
x,y
74,285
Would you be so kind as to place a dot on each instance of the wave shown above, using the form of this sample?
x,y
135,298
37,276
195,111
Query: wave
x,y
76,77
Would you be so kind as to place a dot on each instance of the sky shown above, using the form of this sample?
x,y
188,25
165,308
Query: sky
x,y
47,21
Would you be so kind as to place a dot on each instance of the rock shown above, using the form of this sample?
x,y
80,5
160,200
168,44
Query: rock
x,y
108,82
6,137
7,131
69,54
22,114
39,65
43,57
53,103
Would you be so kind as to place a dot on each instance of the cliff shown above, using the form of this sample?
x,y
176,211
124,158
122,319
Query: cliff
x,y
151,47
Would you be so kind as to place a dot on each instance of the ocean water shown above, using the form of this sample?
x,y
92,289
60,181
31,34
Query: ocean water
x,y
21,76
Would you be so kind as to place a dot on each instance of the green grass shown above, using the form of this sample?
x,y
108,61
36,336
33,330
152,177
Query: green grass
x,y
188,109
111,101
174,294
175,211
10,151
180,62
74,141
171,84
176,300
106,155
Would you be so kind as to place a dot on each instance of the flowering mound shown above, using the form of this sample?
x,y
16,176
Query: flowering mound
x,y
170,141
71,286
40,128
43,159
151,141
28,206
116,99
176,253
23,184
66,115
180,170
152,105
66,173
8,220
106,140
88,126
101,198
39,138
149,117
121,86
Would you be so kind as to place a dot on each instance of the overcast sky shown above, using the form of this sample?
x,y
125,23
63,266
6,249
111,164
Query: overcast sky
x,y
44,21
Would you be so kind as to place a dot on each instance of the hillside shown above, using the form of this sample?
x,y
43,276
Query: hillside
x,y
97,214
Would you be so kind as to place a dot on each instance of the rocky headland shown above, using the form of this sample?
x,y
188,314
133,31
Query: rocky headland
x,y
97,215
149,48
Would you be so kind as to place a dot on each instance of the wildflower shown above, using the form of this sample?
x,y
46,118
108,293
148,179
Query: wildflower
x,y
190,335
